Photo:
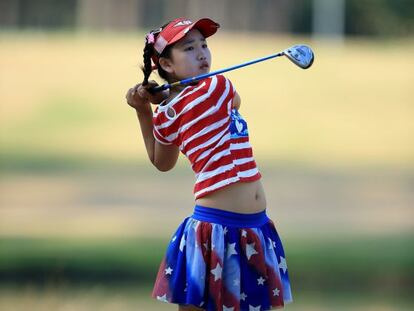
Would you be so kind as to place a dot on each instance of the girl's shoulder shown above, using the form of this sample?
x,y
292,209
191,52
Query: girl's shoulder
x,y
209,83
214,84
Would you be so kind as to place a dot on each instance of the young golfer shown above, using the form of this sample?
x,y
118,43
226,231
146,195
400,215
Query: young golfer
x,y
227,255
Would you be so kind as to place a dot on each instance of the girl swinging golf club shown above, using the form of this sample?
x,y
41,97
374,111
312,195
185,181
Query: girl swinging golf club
x,y
227,255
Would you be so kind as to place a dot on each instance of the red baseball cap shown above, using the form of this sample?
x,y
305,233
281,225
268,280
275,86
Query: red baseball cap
x,y
178,28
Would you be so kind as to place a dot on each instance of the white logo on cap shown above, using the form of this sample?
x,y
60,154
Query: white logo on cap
x,y
183,23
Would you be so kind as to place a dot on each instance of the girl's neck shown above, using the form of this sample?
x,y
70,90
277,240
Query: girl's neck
x,y
174,91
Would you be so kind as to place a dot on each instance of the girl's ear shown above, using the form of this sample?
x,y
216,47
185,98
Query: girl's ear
x,y
166,64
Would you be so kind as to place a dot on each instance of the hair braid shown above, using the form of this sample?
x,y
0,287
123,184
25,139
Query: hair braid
x,y
147,68
149,51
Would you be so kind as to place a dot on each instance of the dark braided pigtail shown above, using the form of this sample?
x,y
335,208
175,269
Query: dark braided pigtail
x,y
147,68
149,52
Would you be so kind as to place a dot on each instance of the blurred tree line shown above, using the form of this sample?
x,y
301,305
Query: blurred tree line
x,y
362,17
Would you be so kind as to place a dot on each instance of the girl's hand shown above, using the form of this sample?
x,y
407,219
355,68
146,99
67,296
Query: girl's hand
x,y
138,97
154,98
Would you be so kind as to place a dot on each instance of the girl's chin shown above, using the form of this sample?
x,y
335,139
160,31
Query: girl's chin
x,y
200,71
205,70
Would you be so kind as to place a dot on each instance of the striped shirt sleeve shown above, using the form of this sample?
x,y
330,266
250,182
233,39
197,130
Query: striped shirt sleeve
x,y
159,134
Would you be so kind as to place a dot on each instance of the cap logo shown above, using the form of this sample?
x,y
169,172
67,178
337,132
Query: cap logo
x,y
183,23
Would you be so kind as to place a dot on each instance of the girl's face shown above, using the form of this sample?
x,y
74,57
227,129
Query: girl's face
x,y
190,57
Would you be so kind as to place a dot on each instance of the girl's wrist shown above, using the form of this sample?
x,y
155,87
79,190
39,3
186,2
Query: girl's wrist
x,y
144,109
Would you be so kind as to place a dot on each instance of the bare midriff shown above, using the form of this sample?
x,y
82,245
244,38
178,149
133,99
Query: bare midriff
x,y
240,197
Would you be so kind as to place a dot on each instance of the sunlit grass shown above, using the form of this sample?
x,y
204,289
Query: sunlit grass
x,y
63,95
98,297
318,263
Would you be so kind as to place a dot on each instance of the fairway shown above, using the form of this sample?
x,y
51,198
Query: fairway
x,y
63,95
128,299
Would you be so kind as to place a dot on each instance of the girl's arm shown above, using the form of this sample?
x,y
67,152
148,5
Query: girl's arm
x,y
163,157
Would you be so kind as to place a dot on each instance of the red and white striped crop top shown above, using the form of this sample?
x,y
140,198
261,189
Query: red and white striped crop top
x,y
210,133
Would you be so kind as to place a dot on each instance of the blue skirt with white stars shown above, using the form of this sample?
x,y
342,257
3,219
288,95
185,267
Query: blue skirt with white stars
x,y
224,261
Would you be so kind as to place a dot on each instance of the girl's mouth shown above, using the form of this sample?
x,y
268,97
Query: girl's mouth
x,y
204,66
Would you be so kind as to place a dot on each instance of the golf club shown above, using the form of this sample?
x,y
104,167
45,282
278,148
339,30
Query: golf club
x,y
300,55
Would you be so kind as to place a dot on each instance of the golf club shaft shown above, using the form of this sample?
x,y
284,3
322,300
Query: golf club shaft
x,y
203,76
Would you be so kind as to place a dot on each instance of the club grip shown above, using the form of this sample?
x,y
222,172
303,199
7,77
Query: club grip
x,y
158,88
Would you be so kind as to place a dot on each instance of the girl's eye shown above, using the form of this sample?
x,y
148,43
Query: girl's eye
x,y
204,45
190,48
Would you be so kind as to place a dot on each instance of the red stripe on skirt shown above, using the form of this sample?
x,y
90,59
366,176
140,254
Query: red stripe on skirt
x,y
162,286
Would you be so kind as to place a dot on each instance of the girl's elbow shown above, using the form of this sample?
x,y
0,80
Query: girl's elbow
x,y
165,157
162,166
236,101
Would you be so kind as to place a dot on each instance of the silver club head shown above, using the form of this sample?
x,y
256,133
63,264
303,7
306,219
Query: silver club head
x,y
301,55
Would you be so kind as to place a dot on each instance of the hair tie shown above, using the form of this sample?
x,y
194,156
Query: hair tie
x,y
150,38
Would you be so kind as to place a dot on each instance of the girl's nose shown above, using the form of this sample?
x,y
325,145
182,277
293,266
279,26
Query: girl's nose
x,y
202,56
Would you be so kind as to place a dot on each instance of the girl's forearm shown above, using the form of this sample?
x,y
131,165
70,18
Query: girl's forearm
x,y
145,120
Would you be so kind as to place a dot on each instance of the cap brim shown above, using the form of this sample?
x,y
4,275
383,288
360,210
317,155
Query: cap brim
x,y
206,26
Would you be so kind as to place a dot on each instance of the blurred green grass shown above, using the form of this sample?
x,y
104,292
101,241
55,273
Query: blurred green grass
x,y
382,263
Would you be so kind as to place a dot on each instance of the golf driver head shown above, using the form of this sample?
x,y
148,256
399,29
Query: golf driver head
x,y
301,55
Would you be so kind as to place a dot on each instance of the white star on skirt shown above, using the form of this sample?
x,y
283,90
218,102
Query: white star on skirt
x,y
168,271
228,308
162,298
251,308
276,292
217,272
282,264
250,251
231,249
260,281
